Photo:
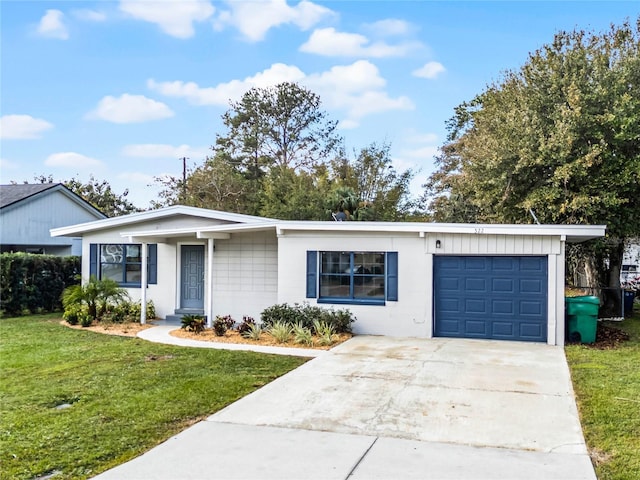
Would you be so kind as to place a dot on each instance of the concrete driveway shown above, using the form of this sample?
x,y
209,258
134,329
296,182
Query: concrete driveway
x,y
380,407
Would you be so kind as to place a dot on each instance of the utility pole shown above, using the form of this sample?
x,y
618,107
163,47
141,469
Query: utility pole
x,y
184,179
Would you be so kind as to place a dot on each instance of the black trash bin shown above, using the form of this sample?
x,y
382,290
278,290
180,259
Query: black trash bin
x,y
629,297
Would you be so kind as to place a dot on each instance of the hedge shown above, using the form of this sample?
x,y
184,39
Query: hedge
x,y
31,283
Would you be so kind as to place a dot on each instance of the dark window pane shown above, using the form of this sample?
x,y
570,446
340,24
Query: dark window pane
x,y
369,287
134,274
112,271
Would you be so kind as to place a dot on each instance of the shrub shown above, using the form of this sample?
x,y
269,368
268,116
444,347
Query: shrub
x,y
193,323
73,314
254,332
246,324
324,331
306,314
302,334
32,283
133,309
222,324
280,331
85,319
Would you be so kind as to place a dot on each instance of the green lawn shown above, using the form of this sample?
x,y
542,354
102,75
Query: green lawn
x,y
607,386
126,395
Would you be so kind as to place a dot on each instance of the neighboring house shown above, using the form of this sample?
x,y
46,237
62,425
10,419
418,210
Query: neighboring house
x,y
29,211
631,263
402,279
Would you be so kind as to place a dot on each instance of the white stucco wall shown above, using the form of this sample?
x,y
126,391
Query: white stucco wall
x,y
409,316
412,314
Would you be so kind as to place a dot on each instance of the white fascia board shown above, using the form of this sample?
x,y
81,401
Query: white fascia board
x,y
573,233
215,232
78,230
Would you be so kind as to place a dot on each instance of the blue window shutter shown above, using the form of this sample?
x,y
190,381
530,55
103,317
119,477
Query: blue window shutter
x,y
392,276
312,274
152,264
93,260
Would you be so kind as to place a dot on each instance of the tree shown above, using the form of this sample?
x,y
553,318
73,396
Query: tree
x,y
382,193
557,138
296,196
98,193
279,126
216,184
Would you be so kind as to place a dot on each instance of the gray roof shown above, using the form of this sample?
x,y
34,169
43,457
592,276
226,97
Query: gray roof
x,y
10,194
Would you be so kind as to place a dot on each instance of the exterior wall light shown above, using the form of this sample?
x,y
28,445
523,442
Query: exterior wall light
x,y
438,243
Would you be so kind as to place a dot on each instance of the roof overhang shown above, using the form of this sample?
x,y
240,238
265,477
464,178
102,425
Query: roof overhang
x,y
570,233
150,215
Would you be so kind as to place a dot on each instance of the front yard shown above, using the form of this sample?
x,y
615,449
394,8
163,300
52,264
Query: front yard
x,y
607,387
75,403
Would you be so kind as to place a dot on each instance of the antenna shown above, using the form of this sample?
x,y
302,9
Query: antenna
x,y
534,216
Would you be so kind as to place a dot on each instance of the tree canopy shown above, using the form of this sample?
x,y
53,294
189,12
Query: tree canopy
x,y
281,158
281,126
559,138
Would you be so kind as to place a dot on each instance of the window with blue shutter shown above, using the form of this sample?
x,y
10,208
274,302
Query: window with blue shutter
x,y
365,278
123,263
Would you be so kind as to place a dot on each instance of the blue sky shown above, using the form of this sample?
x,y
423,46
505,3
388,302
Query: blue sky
x,y
123,89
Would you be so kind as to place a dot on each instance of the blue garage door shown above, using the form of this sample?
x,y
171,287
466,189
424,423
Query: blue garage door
x,y
501,298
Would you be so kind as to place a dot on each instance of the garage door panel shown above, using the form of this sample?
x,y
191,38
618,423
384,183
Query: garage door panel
x,y
531,285
475,306
531,308
502,307
503,285
491,297
475,328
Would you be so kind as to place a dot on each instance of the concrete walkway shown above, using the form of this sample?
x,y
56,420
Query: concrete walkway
x,y
391,408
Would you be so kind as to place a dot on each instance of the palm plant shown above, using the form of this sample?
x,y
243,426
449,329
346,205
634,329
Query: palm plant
x,y
95,294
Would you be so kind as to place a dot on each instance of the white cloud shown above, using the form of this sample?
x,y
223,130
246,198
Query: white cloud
x,y
89,15
72,160
356,89
52,26
430,70
331,43
155,150
175,18
130,109
389,27
255,18
223,92
21,127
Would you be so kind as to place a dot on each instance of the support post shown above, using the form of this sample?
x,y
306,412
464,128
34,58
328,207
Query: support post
x,y
209,307
143,284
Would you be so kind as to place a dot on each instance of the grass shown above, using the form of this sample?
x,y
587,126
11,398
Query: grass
x,y
126,395
607,386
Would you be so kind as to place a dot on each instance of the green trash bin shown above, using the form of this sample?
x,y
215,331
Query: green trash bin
x,y
582,317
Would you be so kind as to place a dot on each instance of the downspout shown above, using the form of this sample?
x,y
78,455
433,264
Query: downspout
x,y
143,285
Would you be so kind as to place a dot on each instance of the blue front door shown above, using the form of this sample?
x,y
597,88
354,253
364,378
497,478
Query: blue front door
x,y
192,278
500,298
